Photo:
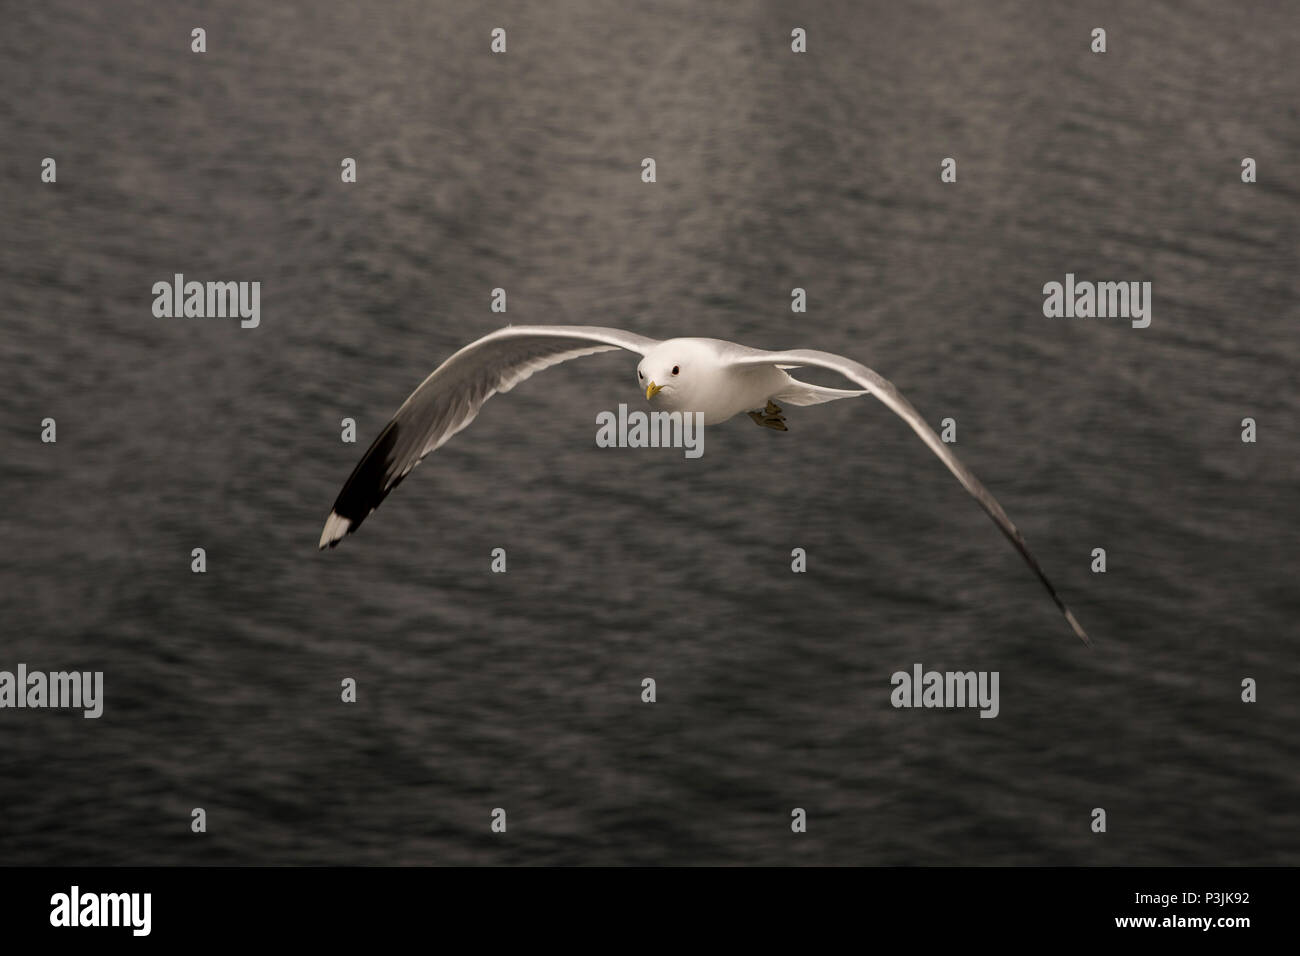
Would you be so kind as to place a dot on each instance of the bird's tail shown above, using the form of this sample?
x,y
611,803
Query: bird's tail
x,y
801,393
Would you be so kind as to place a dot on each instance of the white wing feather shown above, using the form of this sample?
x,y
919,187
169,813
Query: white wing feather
x,y
450,398
893,399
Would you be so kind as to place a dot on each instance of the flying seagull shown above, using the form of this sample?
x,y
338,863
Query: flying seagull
x,y
720,379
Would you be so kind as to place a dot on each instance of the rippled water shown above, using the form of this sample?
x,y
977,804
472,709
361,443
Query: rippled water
x,y
522,690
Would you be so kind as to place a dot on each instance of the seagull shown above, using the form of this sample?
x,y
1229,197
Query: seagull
x,y
714,377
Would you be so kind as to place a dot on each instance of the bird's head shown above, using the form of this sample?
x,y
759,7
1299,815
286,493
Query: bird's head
x,y
670,372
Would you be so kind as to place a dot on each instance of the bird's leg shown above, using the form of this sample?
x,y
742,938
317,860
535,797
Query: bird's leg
x,y
770,417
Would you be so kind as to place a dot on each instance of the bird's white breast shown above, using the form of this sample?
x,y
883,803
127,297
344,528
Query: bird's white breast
x,y
724,392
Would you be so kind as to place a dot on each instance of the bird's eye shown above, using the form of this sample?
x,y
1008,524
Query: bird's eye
x,y
638,374
676,369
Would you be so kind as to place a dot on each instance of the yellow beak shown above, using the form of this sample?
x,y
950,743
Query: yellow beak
x,y
652,390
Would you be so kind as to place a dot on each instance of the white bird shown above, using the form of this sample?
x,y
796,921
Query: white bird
x,y
712,376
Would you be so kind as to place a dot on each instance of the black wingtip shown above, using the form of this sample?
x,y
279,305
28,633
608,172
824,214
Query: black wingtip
x,y
365,488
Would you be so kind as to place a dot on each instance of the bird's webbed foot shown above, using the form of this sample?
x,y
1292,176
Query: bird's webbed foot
x,y
770,417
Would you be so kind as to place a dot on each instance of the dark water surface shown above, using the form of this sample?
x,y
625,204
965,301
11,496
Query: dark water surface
x,y
522,690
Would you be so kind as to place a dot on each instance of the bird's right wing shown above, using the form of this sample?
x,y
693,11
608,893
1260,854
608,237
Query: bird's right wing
x,y
450,398
893,399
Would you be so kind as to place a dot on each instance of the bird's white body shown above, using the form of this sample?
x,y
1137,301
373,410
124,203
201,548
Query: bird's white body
x,y
705,382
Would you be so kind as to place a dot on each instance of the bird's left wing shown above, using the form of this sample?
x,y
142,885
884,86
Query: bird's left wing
x,y
450,398
884,390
